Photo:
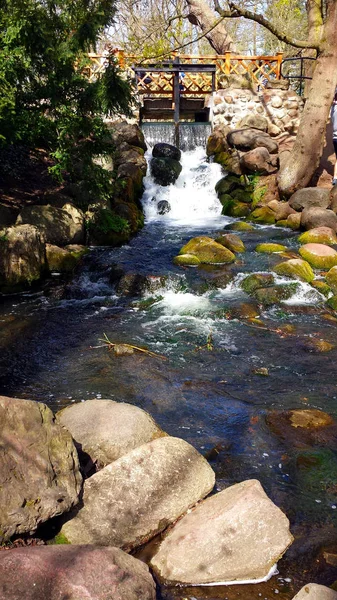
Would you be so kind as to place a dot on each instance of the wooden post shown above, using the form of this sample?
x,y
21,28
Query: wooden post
x,y
176,102
227,63
279,60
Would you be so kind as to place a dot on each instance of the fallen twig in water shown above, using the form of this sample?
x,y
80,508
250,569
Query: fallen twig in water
x,y
112,345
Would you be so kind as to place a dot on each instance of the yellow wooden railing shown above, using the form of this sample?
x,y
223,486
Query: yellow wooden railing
x,y
261,69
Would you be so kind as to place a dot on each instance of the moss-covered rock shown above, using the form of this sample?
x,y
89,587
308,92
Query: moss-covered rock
x,y
207,251
22,257
257,280
106,228
270,248
232,242
332,302
321,287
296,268
240,226
276,294
226,185
294,221
229,160
263,215
242,195
217,141
319,235
234,208
165,170
331,278
186,260
282,223
64,259
319,255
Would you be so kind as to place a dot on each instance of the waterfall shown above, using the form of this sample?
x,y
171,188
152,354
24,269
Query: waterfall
x,y
192,135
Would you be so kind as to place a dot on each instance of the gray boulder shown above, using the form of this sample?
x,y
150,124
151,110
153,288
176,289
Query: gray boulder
x,y
163,207
165,170
39,476
318,217
163,150
258,160
73,573
254,121
312,591
140,494
105,430
308,197
248,139
236,535
121,131
60,226
22,257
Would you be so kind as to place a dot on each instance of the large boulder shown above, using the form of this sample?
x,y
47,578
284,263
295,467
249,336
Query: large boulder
x,y
231,241
163,150
60,226
217,141
258,160
165,171
236,535
121,131
73,573
207,251
313,591
105,430
248,139
319,256
140,494
315,216
64,259
39,476
130,154
275,294
295,268
331,278
308,197
22,257
254,281
319,235
254,121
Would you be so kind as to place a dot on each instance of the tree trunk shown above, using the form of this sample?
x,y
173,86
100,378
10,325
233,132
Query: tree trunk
x,y
304,158
203,16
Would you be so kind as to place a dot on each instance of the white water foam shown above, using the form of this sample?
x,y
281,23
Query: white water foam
x,y
192,198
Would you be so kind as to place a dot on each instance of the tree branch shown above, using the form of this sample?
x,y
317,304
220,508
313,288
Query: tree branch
x,y
236,11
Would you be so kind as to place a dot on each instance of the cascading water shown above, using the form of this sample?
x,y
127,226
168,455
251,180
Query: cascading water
x,y
191,135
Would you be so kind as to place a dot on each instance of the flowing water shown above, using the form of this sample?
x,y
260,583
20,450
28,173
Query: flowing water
x,y
210,390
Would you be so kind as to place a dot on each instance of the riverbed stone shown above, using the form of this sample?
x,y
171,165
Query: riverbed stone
x,y
105,430
321,287
231,241
140,494
73,573
59,226
257,280
207,251
309,197
40,476
331,278
236,535
319,235
233,208
318,217
332,302
275,294
121,132
227,184
22,257
294,221
64,259
165,171
296,268
186,260
240,226
270,248
264,214
248,139
163,150
217,141
319,256
303,427
281,209
257,161
313,591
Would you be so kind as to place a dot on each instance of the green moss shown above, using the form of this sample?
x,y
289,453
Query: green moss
x,y
324,261
282,223
188,260
60,538
274,295
234,208
255,281
108,221
332,302
270,248
331,278
242,195
321,287
240,226
296,268
317,236
264,214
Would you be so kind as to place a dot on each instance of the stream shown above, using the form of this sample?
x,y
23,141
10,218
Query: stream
x,y
229,363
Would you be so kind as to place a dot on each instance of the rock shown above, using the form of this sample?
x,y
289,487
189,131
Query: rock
x,y
319,235
142,492
207,250
321,287
282,210
8,215
309,197
64,259
249,139
22,257
107,228
303,427
257,280
186,260
254,121
240,226
227,184
296,268
269,248
276,294
217,141
294,221
232,242
121,131
105,430
279,84
217,541
165,170
263,215
163,150
314,217
331,278
73,573
59,226
332,302
39,467
232,207
257,161
132,155
319,256
242,195
313,591
229,160
163,207
130,179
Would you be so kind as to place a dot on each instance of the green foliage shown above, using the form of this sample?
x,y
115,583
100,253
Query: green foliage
x,y
45,98
107,221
